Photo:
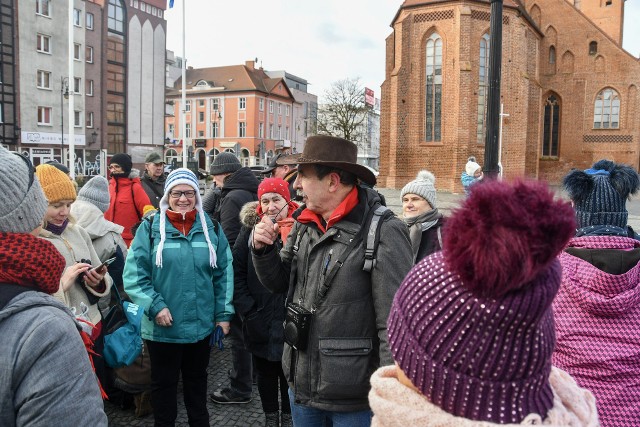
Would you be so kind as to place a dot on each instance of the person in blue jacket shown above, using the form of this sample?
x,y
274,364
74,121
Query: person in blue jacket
x,y
180,269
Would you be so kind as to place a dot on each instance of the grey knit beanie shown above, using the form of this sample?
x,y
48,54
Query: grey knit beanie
x,y
96,191
23,203
423,186
225,163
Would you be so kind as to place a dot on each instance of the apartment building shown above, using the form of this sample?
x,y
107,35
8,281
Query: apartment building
x,y
236,108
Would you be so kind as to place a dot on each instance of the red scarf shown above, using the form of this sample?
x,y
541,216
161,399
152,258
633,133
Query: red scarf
x,y
343,209
29,261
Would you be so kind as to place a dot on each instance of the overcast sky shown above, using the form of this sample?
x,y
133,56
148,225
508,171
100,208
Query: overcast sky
x,y
320,41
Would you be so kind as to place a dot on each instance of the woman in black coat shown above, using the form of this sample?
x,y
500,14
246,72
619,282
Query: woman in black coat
x,y
262,311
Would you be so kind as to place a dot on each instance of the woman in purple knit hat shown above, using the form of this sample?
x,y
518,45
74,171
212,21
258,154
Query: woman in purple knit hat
x,y
471,328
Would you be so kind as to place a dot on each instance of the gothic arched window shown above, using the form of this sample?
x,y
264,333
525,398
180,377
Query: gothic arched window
x,y
483,88
433,88
551,135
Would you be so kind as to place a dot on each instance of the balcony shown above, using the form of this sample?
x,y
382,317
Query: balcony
x,y
282,143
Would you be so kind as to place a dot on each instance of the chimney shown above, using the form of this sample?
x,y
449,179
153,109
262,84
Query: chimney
x,y
250,64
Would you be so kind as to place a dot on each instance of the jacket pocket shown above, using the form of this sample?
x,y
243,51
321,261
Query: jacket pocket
x,y
344,367
256,326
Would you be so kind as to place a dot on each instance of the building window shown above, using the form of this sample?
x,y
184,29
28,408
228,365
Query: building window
x,y
279,132
88,20
43,43
215,104
279,108
483,89
77,119
433,89
551,133
77,84
286,132
76,51
115,21
242,129
89,54
187,105
271,131
287,110
77,17
201,102
214,130
200,134
552,55
271,106
242,103
201,116
89,90
89,120
261,130
261,104
606,114
43,80
43,7
44,116
593,48
171,129
188,131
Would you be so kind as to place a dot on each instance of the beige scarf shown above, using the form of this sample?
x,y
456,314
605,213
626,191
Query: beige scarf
x,y
395,404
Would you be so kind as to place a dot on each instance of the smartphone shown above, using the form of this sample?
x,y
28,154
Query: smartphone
x,y
105,264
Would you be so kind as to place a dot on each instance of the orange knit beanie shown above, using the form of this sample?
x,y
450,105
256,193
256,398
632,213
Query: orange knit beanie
x,y
55,184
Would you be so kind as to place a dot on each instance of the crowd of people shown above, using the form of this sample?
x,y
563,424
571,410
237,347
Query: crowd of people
x,y
519,308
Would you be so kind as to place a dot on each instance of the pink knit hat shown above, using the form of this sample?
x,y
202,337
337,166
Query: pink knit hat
x,y
472,326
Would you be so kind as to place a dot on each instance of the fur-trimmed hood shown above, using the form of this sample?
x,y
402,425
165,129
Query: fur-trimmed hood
x,y
248,215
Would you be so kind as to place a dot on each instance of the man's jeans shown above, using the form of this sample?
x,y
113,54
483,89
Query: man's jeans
x,y
311,417
240,377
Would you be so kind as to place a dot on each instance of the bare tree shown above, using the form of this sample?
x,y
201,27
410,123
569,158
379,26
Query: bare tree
x,y
343,111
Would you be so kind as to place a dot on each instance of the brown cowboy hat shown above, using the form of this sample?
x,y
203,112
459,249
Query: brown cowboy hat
x,y
331,151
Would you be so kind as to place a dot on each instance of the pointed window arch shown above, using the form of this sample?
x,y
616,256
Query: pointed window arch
x,y
606,112
483,88
551,133
433,88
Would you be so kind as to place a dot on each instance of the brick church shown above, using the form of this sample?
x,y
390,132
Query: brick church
x,y
568,87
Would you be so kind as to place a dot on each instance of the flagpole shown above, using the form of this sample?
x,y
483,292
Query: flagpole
x,y
72,92
183,117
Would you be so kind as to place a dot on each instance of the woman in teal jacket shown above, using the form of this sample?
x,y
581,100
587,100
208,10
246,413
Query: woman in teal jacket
x,y
179,268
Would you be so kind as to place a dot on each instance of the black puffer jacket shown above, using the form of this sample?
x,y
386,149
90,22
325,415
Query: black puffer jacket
x,y
261,310
240,188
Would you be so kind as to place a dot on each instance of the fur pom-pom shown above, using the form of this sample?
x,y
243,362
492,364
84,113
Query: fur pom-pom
x,y
623,177
578,184
506,234
248,214
425,175
472,159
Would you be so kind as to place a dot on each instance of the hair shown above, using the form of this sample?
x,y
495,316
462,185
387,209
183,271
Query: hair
x,y
346,178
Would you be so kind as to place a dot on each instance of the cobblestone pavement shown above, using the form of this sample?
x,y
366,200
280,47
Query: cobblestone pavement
x,y
249,414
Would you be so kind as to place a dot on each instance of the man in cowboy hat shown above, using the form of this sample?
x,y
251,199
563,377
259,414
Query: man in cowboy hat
x,y
322,268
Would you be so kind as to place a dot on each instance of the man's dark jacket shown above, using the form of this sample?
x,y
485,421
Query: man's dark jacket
x,y
348,332
239,188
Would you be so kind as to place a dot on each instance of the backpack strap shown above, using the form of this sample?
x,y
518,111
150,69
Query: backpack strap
x,y
373,236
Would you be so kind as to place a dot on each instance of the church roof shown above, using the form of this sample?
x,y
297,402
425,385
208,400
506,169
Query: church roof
x,y
408,3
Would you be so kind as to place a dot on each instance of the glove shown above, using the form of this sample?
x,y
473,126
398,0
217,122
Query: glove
x,y
216,338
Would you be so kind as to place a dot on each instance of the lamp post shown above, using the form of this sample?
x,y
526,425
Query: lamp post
x,y
94,137
64,94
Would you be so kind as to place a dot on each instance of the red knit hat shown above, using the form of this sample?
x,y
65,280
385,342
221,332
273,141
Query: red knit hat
x,y
472,326
275,185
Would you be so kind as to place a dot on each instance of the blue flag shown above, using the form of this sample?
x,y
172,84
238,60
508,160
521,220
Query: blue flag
x,y
170,4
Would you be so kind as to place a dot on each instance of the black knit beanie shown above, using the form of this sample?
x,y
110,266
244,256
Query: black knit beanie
x,y
124,160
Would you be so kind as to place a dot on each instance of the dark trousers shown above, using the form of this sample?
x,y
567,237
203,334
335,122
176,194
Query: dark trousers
x,y
168,360
269,375
240,377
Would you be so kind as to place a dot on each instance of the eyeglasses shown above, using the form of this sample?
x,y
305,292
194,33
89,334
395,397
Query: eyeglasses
x,y
189,194
29,166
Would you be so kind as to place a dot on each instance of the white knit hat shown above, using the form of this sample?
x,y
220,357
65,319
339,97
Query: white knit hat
x,y
471,166
177,177
423,186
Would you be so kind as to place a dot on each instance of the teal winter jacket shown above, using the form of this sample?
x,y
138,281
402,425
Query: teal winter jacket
x,y
196,294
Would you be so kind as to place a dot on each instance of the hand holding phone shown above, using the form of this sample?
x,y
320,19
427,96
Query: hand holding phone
x,y
105,264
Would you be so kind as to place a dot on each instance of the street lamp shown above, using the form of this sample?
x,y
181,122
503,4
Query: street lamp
x,y
64,94
94,137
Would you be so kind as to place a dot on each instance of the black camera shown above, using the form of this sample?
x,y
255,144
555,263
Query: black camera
x,y
296,326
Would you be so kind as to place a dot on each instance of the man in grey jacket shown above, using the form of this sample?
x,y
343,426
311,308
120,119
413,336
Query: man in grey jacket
x,y
45,373
321,266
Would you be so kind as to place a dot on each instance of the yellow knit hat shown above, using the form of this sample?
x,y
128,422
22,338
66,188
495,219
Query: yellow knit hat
x,y
55,184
